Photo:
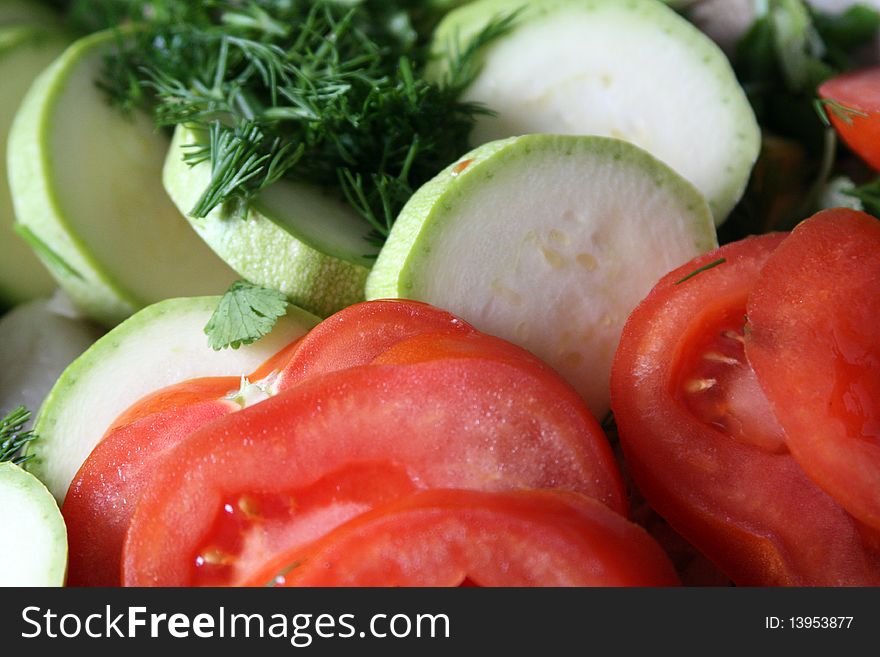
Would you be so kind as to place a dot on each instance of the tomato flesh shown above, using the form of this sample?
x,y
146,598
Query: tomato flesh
x,y
451,537
261,523
465,424
814,316
717,384
856,115
106,488
746,505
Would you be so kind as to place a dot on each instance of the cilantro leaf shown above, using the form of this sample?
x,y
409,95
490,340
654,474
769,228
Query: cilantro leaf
x,y
245,314
12,437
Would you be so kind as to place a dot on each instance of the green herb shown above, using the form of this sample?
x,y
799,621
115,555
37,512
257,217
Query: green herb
x,y
245,314
13,439
843,112
323,92
699,271
787,53
869,195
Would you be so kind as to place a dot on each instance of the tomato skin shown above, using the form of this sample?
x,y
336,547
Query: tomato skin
x,y
859,90
466,424
179,395
426,347
445,537
750,509
358,334
103,494
816,308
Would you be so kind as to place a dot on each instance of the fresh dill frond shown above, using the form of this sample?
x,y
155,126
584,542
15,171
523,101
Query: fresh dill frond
x,y
321,92
700,270
13,437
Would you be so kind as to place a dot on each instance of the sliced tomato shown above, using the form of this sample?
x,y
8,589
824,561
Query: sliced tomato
x,y
853,105
467,423
106,488
704,445
813,340
256,524
426,347
360,333
450,537
173,397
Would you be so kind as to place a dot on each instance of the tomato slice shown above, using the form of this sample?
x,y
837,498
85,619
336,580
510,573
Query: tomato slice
x,y
451,424
106,488
703,444
855,111
360,333
173,397
256,524
449,537
103,494
813,318
444,345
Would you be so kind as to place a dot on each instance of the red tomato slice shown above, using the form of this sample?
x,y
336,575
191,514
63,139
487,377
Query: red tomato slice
x,y
855,113
449,537
703,444
103,494
359,333
173,397
451,424
256,524
443,345
813,318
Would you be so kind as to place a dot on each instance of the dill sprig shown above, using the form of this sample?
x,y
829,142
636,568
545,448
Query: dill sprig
x,y
322,92
13,439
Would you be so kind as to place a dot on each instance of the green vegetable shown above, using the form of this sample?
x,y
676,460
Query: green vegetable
x,y
244,315
33,537
295,239
869,196
549,242
13,437
322,92
24,52
629,70
158,346
788,52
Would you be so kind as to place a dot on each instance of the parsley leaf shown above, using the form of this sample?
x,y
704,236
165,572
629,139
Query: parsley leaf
x,y
12,437
245,314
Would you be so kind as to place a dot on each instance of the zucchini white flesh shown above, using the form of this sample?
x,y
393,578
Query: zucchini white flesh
x,y
549,242
39,342
87,187
294,239
634,70
33,538
24,53
25,12
161,345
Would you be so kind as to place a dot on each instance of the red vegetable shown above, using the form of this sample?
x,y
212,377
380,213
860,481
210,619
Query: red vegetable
x,y
813,340
468,423
703,443
853,105
447,537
